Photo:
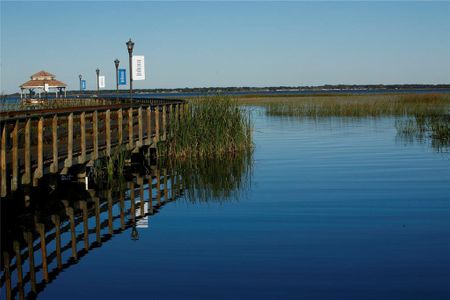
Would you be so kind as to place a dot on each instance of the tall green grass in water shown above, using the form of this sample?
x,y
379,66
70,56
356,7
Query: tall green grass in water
x,y
211,127
361,106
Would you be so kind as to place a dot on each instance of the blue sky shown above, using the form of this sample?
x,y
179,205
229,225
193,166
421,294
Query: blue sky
x,y
197,44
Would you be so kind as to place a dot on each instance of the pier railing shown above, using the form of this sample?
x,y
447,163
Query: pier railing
x,y
52,140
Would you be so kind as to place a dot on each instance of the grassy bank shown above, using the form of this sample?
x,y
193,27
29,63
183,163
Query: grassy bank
x,y
353,105
212,126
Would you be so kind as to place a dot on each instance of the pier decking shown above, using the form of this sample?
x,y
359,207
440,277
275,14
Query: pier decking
x,y
41,141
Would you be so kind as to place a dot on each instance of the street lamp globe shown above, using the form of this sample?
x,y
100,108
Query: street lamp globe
x,y
116,62
130,46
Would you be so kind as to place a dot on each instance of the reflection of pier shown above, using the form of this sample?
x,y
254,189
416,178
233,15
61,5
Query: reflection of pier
x,y
35,256
34,143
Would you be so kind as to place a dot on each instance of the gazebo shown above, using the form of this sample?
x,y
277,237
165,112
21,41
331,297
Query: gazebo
x,y
43,82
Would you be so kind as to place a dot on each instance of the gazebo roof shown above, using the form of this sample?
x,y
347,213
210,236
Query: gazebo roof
x,y
42,74
39,79
41,83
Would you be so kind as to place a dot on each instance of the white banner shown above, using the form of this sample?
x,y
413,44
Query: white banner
x,y
138,67
46,87
101,81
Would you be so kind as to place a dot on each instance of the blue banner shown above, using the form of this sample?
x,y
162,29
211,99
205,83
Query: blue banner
x,y
83,85
122,76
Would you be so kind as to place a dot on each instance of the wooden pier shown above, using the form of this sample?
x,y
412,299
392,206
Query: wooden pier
x,y
41,141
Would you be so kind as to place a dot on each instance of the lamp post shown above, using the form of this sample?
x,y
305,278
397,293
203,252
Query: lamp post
x,y
130,46
81,88
116,62
98,83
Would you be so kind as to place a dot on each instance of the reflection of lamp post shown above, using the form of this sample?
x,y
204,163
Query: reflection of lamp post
x,y
116,62
134,233
81,87
130,46
98,84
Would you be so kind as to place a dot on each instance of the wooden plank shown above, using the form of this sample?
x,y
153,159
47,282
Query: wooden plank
x,y
140,128
156,123
68,160
39,172
4,187
95,135
130,129
15,157
119,126
149,122
82,157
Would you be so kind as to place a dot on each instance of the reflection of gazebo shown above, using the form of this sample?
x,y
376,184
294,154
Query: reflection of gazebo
x,y
42,82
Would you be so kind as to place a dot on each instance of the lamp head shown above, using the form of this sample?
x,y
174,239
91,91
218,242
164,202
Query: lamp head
x,y
130,46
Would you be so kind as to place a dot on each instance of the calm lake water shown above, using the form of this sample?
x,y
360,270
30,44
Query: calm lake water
x,y
328,209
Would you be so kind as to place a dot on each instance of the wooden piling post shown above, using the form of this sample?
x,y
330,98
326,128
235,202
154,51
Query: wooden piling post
x,y
39,172
26,177
15,157
68,161
149,122
164,122
130,128
95,135
57,222
54,165
108,132
156,123
82,157
119,126
140,128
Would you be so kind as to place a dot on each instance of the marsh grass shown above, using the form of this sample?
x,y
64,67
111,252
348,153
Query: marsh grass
x,y
421,128
110,169
359,106
211,127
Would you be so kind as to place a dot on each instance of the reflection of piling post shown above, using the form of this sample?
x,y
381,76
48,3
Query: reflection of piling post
x,y
39,172
156,123
54,165
150,196
122,208
140,127
133,208
83,206
149,122
158,187
82,157
119,126
29,239
7,274
15,157
130,128
26,178
73,237
141,196
68,161
41,230
108,132
16,247
97,220
172,185
110,212
95,135
56,221
166,191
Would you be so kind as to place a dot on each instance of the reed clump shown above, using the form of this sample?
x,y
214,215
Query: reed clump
x,y
211,126
433,127
361,106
